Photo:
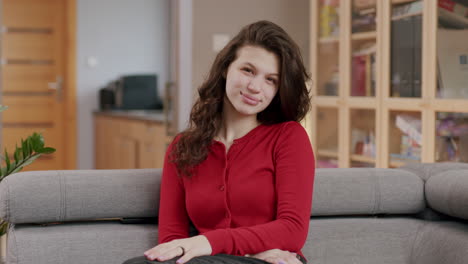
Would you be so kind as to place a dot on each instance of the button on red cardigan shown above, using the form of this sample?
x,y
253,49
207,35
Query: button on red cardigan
x,y
256,197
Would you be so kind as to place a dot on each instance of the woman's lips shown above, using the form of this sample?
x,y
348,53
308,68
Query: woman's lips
x,y
249,99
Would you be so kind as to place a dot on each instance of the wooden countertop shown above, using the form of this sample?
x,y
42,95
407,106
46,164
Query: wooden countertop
x,y
143,115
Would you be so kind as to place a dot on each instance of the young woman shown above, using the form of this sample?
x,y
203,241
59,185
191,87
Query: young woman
x,y
242,173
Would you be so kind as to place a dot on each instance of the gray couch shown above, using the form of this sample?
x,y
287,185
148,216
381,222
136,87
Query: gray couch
x,y
412,215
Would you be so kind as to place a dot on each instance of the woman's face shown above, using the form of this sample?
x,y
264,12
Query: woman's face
x,y
252,80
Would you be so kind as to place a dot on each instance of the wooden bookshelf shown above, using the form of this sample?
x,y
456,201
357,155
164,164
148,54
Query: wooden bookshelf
x,y
339,119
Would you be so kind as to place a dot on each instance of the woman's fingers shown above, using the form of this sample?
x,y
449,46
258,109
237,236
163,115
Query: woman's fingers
x,y
190,254
292,259
188,248
277,256
164,252
170,254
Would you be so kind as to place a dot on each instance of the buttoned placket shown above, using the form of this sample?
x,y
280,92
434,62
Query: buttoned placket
x,y
223,187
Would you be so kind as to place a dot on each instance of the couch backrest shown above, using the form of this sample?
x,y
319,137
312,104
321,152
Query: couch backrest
x,y
369,191
60,196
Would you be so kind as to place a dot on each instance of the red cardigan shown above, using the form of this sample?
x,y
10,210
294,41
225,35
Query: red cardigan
x,y
256,197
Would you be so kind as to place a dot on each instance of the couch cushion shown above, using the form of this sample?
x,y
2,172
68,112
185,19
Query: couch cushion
x,y
361,240
369,191
441,243
55,196
447,192
427,170
80,243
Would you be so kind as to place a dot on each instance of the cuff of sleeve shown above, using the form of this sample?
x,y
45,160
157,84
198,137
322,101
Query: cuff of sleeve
x,y
218,241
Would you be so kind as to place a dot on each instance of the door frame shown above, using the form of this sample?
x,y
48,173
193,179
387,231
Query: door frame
x,y
70,84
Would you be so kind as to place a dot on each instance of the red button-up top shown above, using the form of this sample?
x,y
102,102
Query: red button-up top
x,y
256,197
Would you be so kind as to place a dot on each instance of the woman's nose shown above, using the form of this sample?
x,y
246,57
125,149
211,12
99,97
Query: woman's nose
x,y
254,85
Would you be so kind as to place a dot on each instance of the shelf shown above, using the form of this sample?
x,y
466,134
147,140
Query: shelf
x,y
395,163
328,40
327,153
372,35
362,158
450,105
407,15
327,101
403,103
363,102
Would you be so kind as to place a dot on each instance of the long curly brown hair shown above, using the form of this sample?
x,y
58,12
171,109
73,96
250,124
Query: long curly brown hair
x,y
291,103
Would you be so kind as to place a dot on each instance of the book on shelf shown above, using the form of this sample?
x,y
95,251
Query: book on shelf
x,y
453,14
329,18
452,59
451,125
363,142
363,20
406,48
363,72
410,126
407,9
410,148
450,13
327,163
364,4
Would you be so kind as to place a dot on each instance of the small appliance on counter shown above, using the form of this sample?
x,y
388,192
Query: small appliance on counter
x,y
131,92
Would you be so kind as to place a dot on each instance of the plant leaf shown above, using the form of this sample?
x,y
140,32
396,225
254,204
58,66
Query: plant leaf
x,y
17,154
46,150
12,168
35,140
3,227
7,160
30,160
40,141
18,169
29,146
23,149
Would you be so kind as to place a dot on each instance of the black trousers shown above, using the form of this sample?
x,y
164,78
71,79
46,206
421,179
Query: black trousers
x,y
216,259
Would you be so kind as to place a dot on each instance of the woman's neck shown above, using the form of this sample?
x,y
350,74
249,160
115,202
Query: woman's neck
x,y
235,125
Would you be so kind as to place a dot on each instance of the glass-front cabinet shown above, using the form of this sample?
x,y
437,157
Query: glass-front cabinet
x,y
389,82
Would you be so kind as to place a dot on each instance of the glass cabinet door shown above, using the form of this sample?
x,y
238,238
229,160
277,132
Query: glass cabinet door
x,y
363,48
327,137
328,48
362,148
405,137
451,137
452,50
406,48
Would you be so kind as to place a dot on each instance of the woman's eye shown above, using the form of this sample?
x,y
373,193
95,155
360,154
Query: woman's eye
x,y
272,80
247,70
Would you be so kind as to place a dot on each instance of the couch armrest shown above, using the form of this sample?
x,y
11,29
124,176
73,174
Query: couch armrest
x,y
70,195
447,192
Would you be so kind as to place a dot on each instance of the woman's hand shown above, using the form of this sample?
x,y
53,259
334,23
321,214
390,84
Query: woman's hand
x,y
277,256
188,248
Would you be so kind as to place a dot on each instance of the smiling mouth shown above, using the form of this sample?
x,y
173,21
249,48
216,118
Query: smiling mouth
x,y
249,99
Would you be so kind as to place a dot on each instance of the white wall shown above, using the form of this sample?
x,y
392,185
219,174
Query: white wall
x,y
126,37
212,17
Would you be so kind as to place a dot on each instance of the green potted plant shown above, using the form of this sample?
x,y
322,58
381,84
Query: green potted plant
x,y
31,148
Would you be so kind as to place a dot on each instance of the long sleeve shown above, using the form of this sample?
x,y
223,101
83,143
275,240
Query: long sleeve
x,y
173,218
294,178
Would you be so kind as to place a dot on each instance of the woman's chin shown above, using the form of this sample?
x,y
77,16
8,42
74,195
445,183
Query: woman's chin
x,y
247,112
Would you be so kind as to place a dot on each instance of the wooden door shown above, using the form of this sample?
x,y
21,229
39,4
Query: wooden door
x,y
37,79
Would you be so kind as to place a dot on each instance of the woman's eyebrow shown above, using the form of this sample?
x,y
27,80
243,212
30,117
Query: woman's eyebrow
x,y
253,66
